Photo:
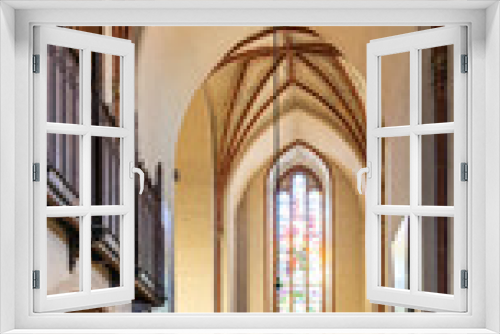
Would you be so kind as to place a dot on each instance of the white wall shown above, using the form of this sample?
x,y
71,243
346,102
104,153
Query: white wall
x,y
491,169
7,170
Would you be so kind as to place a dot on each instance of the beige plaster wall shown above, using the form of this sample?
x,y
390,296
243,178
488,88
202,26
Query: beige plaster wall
x,y
348,236
349,247
252,214
193,214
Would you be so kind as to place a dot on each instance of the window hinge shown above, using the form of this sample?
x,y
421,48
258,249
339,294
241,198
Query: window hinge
x,y
36,63
464,279
36,279
464,172
36,172
465,63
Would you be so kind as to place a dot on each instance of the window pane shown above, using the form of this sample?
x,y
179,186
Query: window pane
x,y
283,269
63,85
437,169
315,246
63,255
395,89
299,252
106,89
300,245
437,254
106,171
437,84
395,171
105,252
395,261
63,170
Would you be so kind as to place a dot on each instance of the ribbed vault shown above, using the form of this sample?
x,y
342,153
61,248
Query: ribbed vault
x,y
294,67
289,68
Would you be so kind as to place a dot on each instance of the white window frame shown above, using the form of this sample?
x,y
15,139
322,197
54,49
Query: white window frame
x,y
412,44
86,43
484,49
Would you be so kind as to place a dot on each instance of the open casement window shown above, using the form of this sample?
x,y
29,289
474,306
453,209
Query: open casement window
x,y
416,201
84,165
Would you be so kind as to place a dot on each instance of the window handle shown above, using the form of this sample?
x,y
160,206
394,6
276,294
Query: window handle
x,y
141,176
368,171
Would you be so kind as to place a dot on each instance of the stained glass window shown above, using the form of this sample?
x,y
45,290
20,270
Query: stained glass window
x,y
299,246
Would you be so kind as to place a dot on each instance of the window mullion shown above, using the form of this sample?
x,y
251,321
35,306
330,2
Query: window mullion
x,y
414,171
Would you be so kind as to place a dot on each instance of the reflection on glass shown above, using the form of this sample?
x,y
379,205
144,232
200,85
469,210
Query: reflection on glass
x,y
106,89
437,84
395,242
395,171
437,169
63,170
105,252
437,254
63,85
106,171
395,89
63,255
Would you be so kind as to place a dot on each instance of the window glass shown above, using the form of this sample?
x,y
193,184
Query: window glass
x,y
63,169
437,84
394,252
300,268
106,89
106,171
106,251
395,89
63,255
63,73
395,171
437,169
437,254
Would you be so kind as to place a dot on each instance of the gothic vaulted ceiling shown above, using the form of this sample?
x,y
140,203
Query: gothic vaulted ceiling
x,y
278,71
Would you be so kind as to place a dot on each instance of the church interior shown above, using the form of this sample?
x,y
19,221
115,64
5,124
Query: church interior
x,y
250,139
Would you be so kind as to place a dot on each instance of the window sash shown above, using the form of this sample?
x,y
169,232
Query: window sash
x,y
86,298
413,43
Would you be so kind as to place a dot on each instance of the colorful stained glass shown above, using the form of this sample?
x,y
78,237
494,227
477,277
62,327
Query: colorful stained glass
x,y
300,246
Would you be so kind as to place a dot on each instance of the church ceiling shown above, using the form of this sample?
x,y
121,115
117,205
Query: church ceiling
x,y
276,71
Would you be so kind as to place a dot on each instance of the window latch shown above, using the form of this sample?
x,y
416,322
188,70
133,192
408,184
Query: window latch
x,y
133,170
368,171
